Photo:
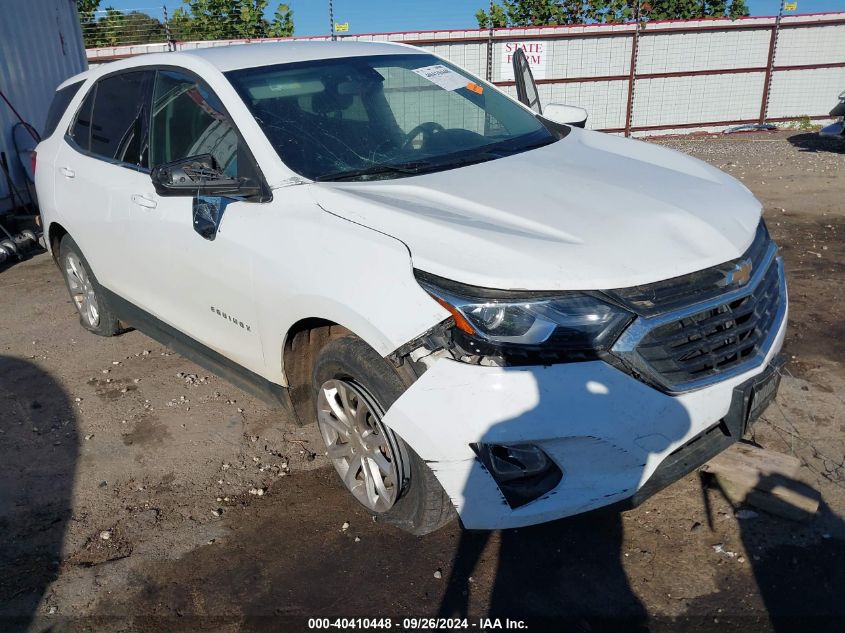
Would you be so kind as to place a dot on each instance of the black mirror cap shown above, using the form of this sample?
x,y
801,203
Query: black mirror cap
x,y
199,175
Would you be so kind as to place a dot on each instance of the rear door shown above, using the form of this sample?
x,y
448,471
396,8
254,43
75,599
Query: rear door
x,y
526,87
97,166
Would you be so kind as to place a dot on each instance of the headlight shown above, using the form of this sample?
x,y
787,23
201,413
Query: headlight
x,y
573,325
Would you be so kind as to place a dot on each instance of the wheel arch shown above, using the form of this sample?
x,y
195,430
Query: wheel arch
x,y
302,343
55,233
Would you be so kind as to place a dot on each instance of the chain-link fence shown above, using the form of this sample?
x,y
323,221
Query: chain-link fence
x,y
174,20
633,78
151,25
116,28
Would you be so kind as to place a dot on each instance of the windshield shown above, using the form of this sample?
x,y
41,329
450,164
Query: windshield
x,y
383,116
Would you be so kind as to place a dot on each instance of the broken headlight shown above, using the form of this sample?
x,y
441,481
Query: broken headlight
x,y
525,325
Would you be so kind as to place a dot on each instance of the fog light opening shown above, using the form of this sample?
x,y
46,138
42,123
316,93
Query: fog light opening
x,y
523,472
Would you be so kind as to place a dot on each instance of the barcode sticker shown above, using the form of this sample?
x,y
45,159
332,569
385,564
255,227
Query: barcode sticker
x,y
444,77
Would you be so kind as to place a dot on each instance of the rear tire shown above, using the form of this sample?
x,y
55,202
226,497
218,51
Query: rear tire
x,y
353,386
95,313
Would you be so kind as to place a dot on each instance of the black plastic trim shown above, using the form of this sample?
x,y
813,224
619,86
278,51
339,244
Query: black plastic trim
x,y
273,394
706,445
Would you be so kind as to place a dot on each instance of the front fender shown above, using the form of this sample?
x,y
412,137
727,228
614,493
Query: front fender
x,y
318,265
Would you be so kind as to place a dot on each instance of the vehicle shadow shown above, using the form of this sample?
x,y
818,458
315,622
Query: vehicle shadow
x,y
559,575
38,452
797,565
812,142
568,574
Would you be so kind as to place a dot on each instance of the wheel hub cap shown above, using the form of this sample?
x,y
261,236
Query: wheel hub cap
x,y
358,443
82,290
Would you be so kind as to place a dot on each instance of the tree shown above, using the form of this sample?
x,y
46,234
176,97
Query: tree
x,y
738,9
110,27
114,28
553,12
140,28
229,19
196,20
86,10
282,24
182,26
250,22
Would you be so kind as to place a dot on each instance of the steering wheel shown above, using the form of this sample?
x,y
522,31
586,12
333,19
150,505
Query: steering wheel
x,y
427,129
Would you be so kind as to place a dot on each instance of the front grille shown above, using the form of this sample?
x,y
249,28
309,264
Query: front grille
x,y
714,340
693,330
671,294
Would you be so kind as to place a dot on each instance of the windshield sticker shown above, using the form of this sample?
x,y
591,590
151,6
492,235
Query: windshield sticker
x,y
475,88
444,77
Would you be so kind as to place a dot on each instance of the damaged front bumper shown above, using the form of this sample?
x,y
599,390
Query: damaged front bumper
x,y
615,439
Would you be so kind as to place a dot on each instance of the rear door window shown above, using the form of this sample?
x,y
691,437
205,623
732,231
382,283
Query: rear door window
x,y
57,108
118,125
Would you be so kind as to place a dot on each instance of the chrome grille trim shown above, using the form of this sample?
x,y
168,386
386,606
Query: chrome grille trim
x,y
626,346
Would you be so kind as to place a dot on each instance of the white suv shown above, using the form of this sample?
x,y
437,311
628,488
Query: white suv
x,y
483,310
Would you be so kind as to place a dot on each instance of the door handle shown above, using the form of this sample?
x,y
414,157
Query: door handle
x,y
67,172
143,200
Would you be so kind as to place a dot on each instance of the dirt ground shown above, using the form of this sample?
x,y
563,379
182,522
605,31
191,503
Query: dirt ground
x,y
139,492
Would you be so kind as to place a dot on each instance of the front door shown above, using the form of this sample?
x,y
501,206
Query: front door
x,y
205,285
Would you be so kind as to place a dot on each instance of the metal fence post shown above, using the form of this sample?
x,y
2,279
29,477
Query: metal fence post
x,y
490,45
168,36
767,80
632,75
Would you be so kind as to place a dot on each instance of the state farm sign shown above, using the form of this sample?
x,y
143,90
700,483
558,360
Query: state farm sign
x,y
535,53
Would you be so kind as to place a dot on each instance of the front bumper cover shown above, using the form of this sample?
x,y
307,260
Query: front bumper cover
x,y
608,432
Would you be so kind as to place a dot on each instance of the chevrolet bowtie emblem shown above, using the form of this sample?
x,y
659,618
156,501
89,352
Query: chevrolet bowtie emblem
x,y
740,275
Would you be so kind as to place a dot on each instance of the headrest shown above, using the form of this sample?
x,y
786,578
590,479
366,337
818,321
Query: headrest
x,y
330,100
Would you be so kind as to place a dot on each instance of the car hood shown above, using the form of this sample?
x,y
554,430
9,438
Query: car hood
x,y
591,211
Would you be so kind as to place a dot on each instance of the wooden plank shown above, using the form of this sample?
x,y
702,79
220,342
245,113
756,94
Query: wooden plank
x,y
765,479
751,461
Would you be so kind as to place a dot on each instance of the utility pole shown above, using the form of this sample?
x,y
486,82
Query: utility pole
x,y
331,21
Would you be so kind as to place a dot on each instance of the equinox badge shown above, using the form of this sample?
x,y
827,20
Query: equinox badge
x,y
230,318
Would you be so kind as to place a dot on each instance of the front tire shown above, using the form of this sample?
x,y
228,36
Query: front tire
x,y
95,313
353,388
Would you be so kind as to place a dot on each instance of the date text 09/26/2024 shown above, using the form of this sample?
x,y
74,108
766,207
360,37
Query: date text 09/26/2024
x,y
417,624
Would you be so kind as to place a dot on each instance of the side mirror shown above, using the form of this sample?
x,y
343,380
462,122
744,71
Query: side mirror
x,y
208,214
565,114
196,175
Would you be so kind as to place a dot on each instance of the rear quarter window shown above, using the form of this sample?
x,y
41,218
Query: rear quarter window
x,y
80,131
60,102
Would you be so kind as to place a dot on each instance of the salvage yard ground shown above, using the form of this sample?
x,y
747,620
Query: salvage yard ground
x,y
134,483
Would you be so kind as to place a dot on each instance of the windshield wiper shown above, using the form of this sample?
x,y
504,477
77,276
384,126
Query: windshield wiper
x,y
480,154
508,147
484,153
375,170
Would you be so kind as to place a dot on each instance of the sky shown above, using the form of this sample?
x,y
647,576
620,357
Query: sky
x,y
370,16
